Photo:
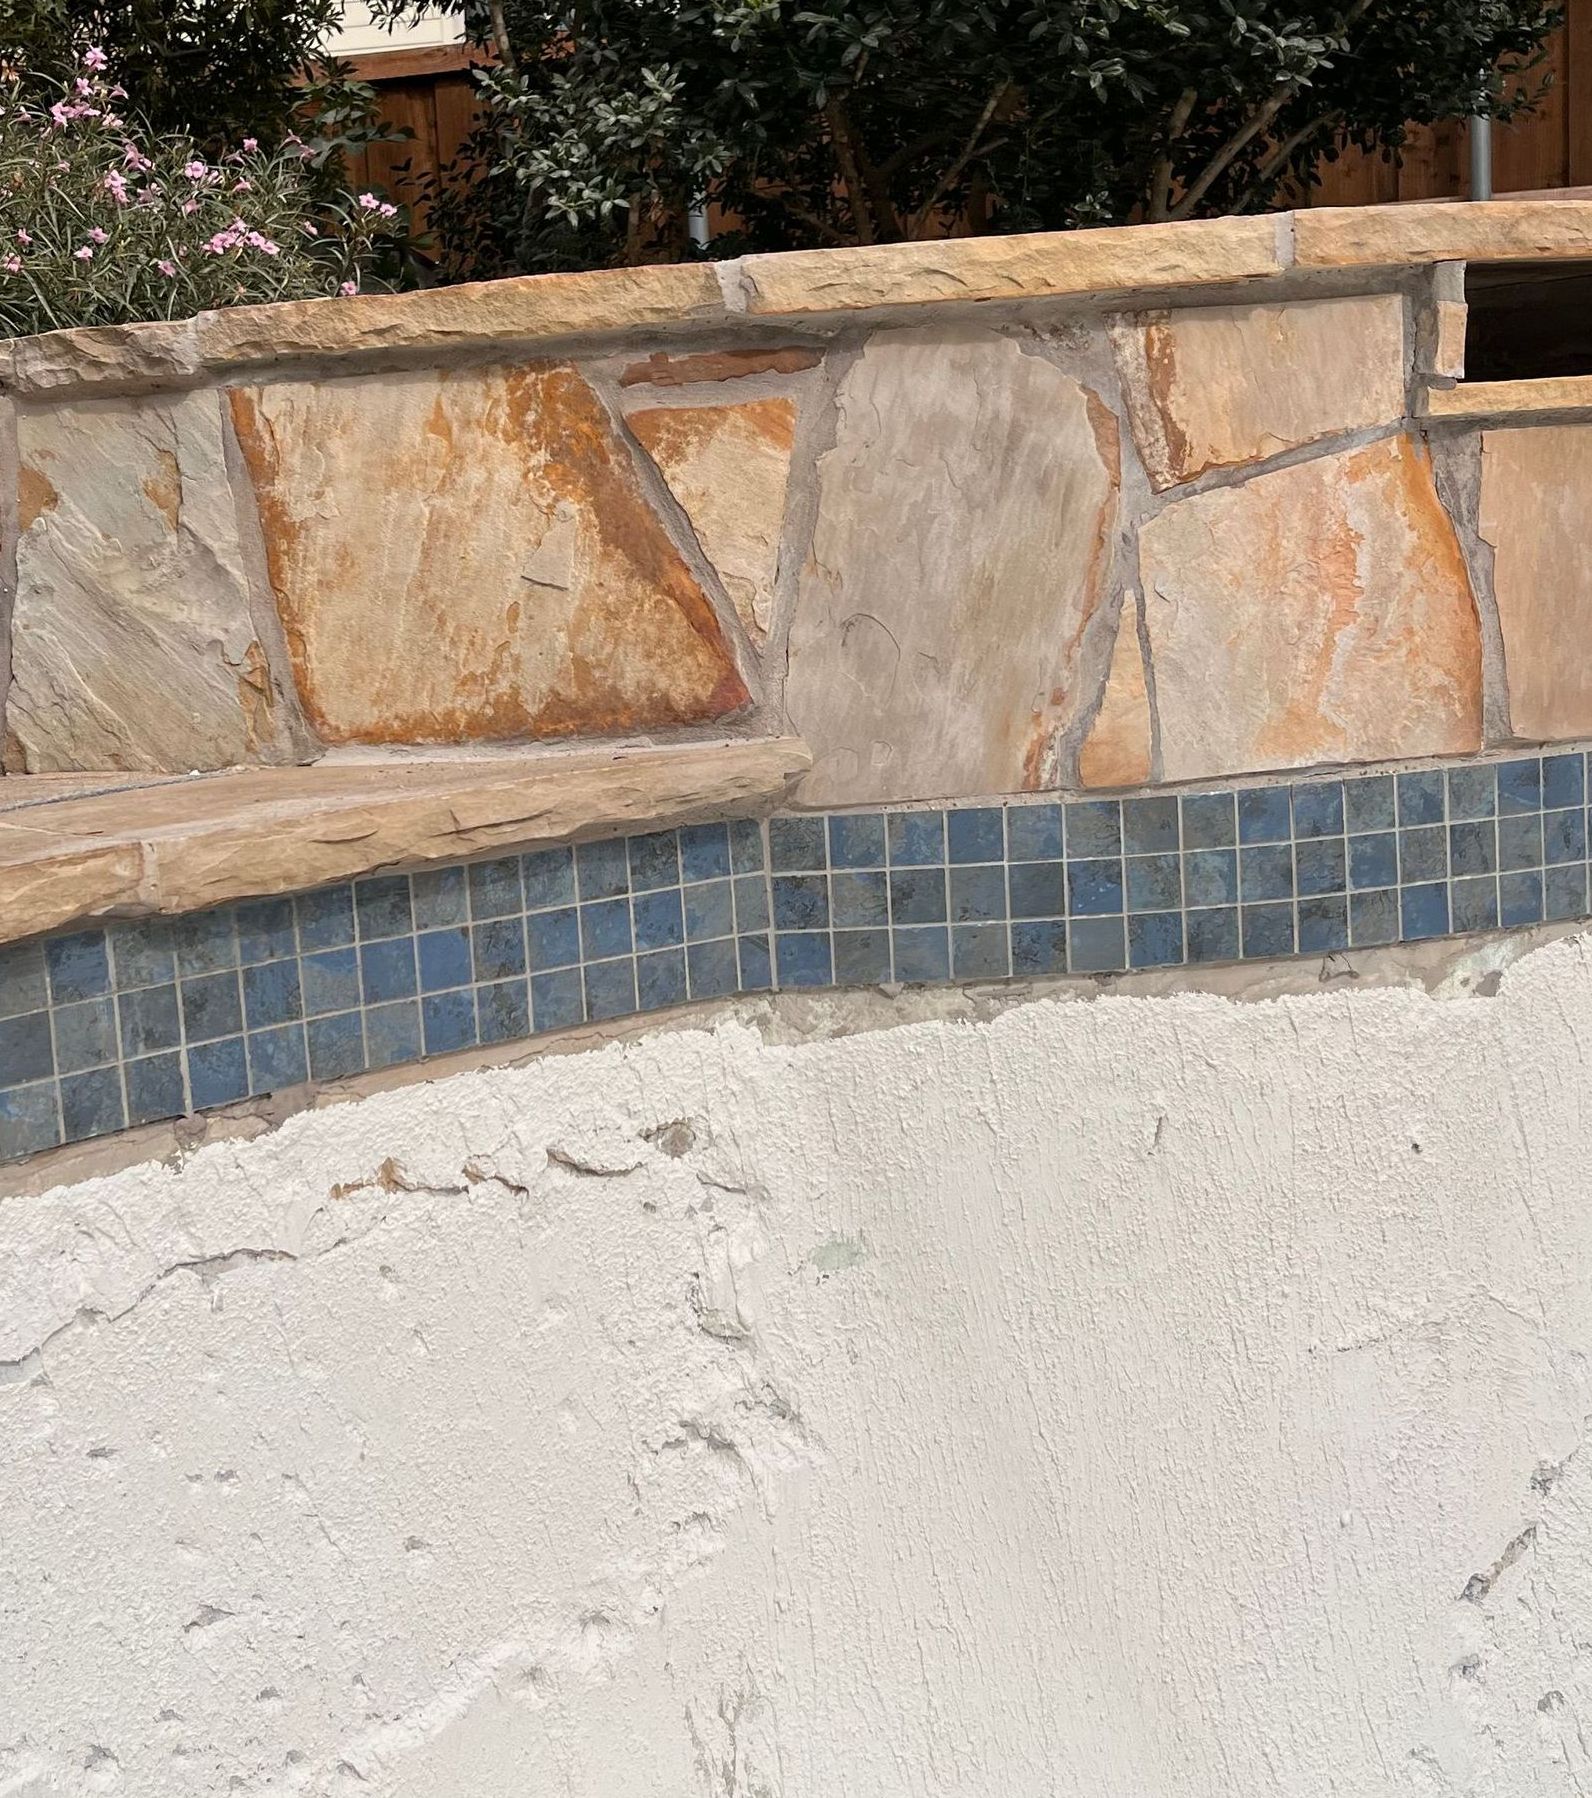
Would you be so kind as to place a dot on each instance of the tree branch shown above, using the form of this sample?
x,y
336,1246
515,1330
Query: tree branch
x,y
1274,164
1161,176
949,177
845,154
500,33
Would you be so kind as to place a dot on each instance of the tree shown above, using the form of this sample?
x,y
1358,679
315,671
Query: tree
x,y
812,122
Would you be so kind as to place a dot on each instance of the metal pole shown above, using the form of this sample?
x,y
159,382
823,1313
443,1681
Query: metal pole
x,y
696,224
1481,161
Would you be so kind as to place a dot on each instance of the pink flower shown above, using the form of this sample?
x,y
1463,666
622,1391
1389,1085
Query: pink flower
x,y
256,242
307,228
60,115
348,288
240,186
83,85
24,237
85,254
94,58
190,205
100,236
168,269
386,211
12,265
116,186
196,170
135,159
251,144
369,202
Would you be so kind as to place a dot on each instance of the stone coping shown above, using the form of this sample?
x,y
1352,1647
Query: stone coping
x,y
809,286
1507,399
125,848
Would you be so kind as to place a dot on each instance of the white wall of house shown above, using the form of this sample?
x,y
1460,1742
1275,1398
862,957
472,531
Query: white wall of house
x,y
359,36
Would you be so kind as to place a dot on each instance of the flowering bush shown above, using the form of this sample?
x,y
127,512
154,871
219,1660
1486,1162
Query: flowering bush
x,y
100,224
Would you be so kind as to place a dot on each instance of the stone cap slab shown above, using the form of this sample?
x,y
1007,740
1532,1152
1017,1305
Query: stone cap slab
x,y
173,846
1511,399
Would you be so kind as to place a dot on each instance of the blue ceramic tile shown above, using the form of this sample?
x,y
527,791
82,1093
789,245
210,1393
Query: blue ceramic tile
x,y
1039,947
552,939
704,852
444,957
610,988
79,966
503,1011
1423,854
154,1088
917,896
654,861
440,897
1368,803
1520,786
1520,842
1033,833
1266,872
1420,798
271,992
1264,815
978,894
326,918
25,1052
392,1033
1563,781
1155,882
28,1121
659,922
712,970
1155,939
1036,889
801,901
382,907
1374,860
916,839
218,1073
1324,924
211,1007
85,1036
757,964
91,1104
1472,793
803,958
1373,917
1318,809
329,981
977,834
751,901
859,899
1424,910
143,954
23,984
660,977
979,952
1473,847
746,846
557,1000
549,878
862,957
602,869
148,1020
1210,877
265,929
336,1046
447,1021
495,890
1564,835
1266,930
1097,945
796,845
387,970
1473,904
708,911
1093,829
1564,892
921,953
1213,934
605,929
1149,826
498,947
1519,899
1092,887
277,1058
207,941
1320,866
856,840
1209,821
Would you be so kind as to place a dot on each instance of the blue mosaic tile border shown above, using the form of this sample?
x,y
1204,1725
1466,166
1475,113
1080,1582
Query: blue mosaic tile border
x,y
155,1018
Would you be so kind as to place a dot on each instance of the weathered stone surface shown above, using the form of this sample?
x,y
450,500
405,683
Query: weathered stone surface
x,y
1214,386
1447,351
1317,614
467,556
1198,254
179,846
960,549
1512,399
729,466
525,308
106,357
663,370
1536,500
1439,231
133,642
1116,752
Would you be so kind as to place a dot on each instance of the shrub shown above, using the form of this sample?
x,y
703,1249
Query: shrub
x,y
101,223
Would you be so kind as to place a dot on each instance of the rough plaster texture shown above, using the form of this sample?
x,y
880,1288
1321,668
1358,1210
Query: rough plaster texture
x,y
1147,1398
